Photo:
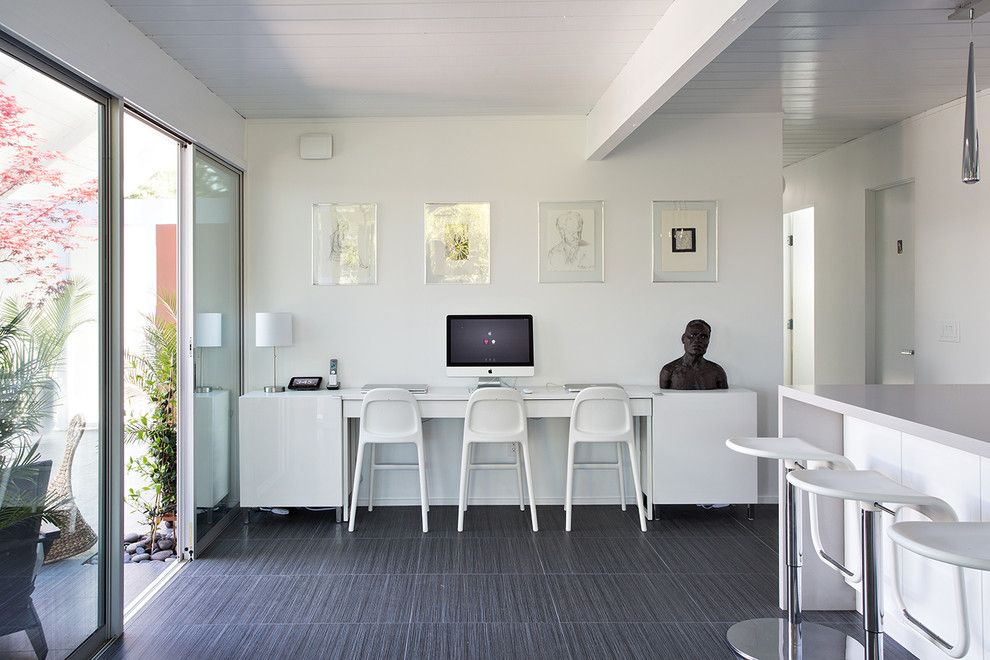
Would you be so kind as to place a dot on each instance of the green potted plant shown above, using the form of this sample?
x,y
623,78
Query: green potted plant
x,y
155,372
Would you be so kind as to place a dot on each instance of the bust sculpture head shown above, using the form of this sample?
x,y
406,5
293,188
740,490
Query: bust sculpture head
x,y
692,371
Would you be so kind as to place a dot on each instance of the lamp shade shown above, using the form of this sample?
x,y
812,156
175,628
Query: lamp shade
x,y
273,329
208,332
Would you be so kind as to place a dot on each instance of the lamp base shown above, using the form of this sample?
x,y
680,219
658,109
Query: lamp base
x,y
272,389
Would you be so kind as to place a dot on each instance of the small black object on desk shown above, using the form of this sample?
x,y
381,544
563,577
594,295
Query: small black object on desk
x,y
305,382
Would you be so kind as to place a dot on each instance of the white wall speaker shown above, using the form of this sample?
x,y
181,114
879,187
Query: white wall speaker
x,y
315,146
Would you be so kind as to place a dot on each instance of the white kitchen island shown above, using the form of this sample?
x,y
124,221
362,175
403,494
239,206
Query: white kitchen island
x,y
933,438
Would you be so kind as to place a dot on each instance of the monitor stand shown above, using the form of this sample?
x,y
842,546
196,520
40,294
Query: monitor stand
x,y
490,382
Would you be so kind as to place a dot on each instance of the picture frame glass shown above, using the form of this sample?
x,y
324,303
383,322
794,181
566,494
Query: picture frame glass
x,y
345,244
572,241
685,241
457,247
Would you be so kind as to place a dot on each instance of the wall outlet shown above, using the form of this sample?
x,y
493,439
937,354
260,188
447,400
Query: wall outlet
x,y
949,332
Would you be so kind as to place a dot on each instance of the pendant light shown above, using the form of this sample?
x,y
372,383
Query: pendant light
x,y
971,139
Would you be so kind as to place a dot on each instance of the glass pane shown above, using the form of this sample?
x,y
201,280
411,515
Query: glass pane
x,y
51,592
151,210
217,339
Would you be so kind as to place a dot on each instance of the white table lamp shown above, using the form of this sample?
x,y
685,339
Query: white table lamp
x,y
273,329
207,333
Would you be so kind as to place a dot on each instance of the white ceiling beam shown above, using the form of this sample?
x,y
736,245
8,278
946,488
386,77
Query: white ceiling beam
x,y
688,36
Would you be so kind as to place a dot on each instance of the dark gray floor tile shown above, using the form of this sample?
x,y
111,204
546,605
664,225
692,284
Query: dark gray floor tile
x,y
354,640
560,553
400,522
474,555
618,598
207,599
370,556
498,521
595,520
732,597
182,641
299,524
486,640
482,599
707,640
593,641
716,554
851,617
333,599
697,522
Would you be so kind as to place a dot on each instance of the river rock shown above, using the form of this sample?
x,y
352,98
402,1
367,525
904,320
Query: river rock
x,y
166,544
161,555
131,537
127,558
144,556
135,547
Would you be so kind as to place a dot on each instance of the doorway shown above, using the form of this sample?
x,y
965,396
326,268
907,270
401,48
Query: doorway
x,y
799,297
890,254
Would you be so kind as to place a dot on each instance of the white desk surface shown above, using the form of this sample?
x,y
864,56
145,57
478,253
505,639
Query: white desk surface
x,y
954,415
457,393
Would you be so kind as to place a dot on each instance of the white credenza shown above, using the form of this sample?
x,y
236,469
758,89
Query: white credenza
x,y
291,453
690,462
211,475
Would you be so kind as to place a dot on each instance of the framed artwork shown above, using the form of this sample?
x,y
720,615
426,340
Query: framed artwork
x,y
457,245
572,241
345,244
685,241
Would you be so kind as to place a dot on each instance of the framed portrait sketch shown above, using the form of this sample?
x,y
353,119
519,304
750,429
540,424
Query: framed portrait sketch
x,y
685,241
345,244
457,247
572,241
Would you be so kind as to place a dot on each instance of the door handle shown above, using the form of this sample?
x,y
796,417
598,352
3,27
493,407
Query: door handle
x,y
907,351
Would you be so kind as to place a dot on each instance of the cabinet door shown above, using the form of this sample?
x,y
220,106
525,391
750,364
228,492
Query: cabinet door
x,y
291,451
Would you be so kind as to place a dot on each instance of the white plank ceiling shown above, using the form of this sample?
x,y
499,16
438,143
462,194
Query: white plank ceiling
x,y
367,58
838,69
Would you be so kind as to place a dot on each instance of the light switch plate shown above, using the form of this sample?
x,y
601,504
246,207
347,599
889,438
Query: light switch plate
x,y
949,332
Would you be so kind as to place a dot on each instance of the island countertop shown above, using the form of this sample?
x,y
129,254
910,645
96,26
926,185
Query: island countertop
x,y
954,415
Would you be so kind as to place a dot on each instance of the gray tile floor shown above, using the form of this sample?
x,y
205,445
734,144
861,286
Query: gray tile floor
x,y
303,587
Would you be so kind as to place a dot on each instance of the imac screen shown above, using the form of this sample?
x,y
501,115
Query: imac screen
x,y
476,341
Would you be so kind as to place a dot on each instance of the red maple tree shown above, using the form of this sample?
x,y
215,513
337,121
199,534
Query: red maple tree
x,y
35,233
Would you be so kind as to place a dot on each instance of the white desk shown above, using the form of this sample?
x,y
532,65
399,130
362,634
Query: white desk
x,y
451,403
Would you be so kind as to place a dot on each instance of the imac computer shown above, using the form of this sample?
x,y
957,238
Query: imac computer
x,y
490,346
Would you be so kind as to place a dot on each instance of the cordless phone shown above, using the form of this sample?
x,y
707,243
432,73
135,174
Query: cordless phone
x,y
333,383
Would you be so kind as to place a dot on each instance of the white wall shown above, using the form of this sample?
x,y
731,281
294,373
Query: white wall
x,y
623,330
952,235
92,38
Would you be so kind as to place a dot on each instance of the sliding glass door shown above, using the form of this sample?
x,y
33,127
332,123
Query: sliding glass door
x,y
212,287
57,357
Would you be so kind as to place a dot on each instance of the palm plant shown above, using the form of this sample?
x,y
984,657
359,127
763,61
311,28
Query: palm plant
x,y
32,348
155,371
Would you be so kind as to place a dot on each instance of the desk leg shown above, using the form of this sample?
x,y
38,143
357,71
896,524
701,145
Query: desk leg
x,y
345,444
649,467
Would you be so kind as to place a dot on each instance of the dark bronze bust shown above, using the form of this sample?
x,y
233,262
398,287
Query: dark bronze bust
x,y
692,371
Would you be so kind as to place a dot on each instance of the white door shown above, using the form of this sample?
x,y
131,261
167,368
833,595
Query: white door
x,y
895,284
799,285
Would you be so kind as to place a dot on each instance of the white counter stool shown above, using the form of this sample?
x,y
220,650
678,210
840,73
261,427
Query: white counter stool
x,y
769,639
390,416
875,493
960,544
603,415
496,415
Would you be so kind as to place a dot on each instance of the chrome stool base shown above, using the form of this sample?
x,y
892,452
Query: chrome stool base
x,y
768,639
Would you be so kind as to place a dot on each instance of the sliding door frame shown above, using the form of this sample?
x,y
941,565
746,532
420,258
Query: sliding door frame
x,y
109,295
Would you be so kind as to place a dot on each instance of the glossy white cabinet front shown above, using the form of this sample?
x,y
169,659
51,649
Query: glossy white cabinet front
x,y
291,449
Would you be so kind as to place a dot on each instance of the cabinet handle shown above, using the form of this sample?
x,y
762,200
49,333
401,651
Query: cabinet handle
x,y
907,351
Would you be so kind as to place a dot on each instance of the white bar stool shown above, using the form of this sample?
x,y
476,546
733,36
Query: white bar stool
x,y
875,493
390,416
771,639
603,415
960,544
496,415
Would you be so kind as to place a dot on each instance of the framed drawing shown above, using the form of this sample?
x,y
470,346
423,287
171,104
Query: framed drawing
x,y
685,241
572,241
345,244
457,247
